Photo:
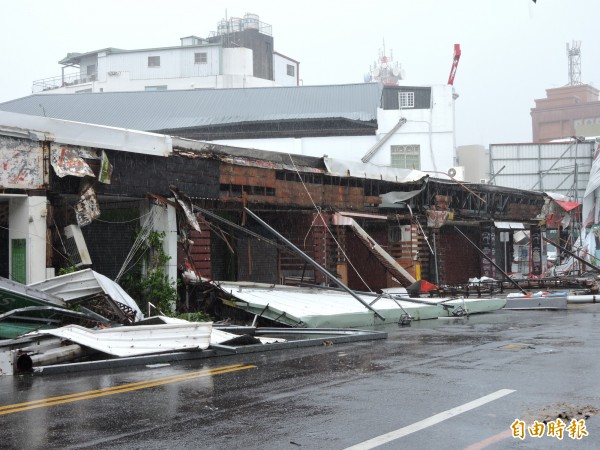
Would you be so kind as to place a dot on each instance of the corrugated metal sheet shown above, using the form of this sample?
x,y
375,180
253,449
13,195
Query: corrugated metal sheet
x,y
140,339
15,295
168,110
83,284
346,168
561,167
314,308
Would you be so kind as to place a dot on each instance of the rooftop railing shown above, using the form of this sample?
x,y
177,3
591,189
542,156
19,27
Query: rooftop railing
x,y
72,79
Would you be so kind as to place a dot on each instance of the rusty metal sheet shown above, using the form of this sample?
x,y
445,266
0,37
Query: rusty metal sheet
x,y
21,164
248,162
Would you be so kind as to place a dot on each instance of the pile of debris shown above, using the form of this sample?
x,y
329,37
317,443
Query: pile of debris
x,y
84,316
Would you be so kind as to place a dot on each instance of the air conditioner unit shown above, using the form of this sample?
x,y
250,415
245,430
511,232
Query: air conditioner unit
x,y
458,173
76,248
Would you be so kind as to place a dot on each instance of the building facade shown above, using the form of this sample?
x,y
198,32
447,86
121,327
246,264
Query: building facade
x,y
62,176
566,112
239,54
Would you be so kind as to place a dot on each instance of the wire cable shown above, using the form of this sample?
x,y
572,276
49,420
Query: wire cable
x,y
319,214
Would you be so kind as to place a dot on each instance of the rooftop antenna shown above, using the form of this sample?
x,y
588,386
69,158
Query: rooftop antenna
x,y
574,55
227,34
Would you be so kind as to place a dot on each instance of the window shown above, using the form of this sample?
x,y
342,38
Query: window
x,y
394,234
406,99
156,88
91,69
406,156
200,58
291,70
153,61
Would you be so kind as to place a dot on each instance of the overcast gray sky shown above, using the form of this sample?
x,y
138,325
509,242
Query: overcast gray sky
x,y
512,50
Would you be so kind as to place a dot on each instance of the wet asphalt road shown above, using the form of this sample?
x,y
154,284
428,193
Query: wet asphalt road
x,y
334,397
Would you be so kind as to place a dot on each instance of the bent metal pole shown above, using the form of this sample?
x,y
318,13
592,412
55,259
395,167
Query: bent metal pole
x,y
578,258
314,263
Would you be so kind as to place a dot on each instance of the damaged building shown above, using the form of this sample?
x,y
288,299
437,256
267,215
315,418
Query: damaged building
x,y
74,194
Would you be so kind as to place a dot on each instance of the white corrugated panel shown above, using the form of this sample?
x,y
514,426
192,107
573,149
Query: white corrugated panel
x,y
542,167
85,283
345,168
509,225
140,339
315,308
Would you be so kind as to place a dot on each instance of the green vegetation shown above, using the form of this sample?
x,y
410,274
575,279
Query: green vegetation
x,y
153,284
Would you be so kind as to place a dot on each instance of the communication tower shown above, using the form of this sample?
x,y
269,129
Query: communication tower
x,y
385,70
574,55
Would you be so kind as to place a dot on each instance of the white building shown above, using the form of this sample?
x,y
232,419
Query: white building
x,y
476,162
239,54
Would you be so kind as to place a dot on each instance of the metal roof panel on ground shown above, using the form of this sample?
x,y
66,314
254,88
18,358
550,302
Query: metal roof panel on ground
x,y
176,109
85,283
15,295
316,308
139,340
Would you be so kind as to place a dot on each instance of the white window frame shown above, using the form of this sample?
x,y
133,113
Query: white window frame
x,y
405,156
406,99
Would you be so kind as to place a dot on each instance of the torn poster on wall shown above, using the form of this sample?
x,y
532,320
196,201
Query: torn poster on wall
x,y
67,160
87,208
21,164
105,169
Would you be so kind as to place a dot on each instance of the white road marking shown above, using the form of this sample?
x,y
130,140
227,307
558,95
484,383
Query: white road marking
x,y
417,426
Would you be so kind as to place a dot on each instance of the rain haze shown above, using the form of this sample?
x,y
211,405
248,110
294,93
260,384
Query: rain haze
x,y
512,50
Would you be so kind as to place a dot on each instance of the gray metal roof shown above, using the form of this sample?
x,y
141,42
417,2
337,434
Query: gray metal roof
x,y
75,57
171,110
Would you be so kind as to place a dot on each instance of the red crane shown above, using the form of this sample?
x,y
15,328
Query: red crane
x,y
454,64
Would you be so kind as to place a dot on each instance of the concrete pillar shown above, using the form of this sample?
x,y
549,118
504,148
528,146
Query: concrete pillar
x,y
27,220
166,221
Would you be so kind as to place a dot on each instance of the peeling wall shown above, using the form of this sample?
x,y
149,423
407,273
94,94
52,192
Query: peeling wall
x,y
21,163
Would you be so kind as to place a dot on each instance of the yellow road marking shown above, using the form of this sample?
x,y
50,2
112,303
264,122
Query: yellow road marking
x,y
119,387
42,403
